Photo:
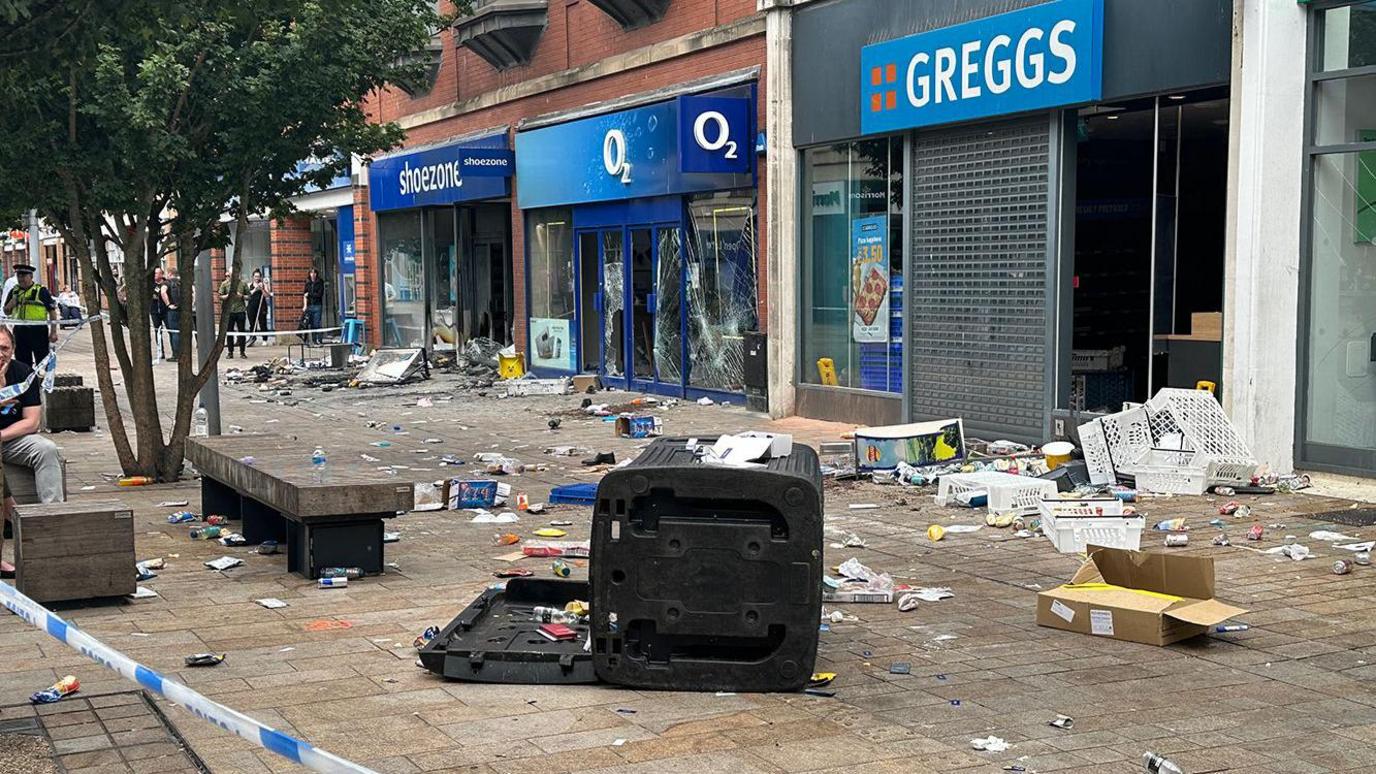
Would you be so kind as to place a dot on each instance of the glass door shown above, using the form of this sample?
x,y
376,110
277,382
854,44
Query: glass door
x,y
442,267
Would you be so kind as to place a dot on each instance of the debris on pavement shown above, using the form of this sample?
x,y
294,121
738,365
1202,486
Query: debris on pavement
x,y
204,659
271,603
990,744
223,563
1063,721
57,691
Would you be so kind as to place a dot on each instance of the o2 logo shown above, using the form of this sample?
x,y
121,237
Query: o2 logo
x,y
721,129
614,155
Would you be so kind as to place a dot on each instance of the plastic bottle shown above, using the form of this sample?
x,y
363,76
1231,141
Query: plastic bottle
x,y
1158,765
318,462
205,533
136,481
200,423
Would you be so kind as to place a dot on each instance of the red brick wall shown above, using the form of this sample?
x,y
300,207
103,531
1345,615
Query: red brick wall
x,y
218,271
366,267
577,34
290,240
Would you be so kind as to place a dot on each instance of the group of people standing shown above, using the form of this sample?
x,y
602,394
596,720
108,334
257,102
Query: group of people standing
x,y
248,313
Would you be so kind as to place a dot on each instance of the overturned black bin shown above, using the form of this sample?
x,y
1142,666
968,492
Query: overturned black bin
x,y
707,577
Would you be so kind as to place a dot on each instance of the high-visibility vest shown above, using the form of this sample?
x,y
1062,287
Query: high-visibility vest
x,y
28,306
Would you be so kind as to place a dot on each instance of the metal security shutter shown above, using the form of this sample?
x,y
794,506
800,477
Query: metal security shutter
x,y
977,302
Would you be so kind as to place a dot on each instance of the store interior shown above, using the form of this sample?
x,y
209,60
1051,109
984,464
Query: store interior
x,y
1149,240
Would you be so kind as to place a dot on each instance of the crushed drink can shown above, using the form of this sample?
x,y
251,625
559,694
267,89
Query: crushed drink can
x,y
1221,540
1342,567
181,517
333,583
1363,558
64,687
1243,511
215,520
1256,532
1177,539
204,659
430,633
561,568
352,573
1229,508
1224,491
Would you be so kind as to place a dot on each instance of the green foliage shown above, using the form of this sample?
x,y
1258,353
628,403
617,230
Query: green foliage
x,y
145,121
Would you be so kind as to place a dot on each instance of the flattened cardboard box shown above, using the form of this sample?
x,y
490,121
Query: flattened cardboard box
x,y
1151,598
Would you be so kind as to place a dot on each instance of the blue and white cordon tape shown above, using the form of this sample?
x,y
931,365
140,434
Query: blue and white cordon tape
x,y
236,723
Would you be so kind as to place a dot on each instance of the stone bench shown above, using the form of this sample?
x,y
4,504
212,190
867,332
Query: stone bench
x,y
337,523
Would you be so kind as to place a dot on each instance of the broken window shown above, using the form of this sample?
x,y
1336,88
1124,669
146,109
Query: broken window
x,y
720,288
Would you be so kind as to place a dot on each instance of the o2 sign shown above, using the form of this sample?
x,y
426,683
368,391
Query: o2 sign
x,y
614,155
714,134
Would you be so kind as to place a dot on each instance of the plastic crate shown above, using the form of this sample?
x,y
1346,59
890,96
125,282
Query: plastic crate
x,y
1008,493
1071,534
1095,449
704,577
1096,390
1092,507
1129,437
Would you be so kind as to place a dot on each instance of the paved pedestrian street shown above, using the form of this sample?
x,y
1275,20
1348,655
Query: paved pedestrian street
x,y
336,667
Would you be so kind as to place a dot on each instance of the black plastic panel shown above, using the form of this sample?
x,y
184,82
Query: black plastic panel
x,y
496,639
707,577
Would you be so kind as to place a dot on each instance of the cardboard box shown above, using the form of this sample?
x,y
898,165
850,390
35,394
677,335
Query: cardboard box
x,y
639,426
586,383
1151,598
461,494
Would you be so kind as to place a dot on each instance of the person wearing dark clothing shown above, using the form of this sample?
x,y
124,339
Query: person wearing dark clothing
x,y
157,310
172,300
314,301
31,302
236,316
20,443
259,296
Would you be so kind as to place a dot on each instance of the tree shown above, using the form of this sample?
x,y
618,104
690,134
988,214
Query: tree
x,y
144,122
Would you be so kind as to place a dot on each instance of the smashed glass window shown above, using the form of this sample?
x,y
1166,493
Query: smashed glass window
x,y
721,288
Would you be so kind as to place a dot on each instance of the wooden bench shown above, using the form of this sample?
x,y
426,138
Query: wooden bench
x,y
337,523
22,485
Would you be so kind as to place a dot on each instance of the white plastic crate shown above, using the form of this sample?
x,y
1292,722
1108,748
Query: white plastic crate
x,y
1129,438
1070,535
1091,507
1202,422
1095,449
1008,493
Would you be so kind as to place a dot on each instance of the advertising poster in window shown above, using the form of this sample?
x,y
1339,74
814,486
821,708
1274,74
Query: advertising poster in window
x,y
550,344
869,279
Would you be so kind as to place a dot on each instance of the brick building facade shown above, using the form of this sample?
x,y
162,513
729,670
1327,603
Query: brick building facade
x,y
576,62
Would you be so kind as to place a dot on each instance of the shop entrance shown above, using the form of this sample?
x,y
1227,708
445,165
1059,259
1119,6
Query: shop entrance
x,y
637,307
1147,283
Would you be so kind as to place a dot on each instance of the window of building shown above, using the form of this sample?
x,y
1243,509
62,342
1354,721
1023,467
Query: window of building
x,y
552,305
403,279
720,287
852,259
1338,293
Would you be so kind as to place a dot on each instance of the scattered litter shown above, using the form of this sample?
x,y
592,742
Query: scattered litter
x,y
863,506
933,593
1329,536
271,603
963,529
391,537
152,564
333,583
224,563
173,504
936,532
181,517
1367,546
900,668
62,688
990,744
430,633
821,679
1063,721
141,592
706,401
488,517
1294,551
204,659
268,547
549,532
908,603
625,711
515,572
851,540
1158,765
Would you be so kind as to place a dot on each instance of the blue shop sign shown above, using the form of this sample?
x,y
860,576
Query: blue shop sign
x,y
648,151
461,171
1040,57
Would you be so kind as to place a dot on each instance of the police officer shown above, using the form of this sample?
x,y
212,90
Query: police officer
x,y
31,302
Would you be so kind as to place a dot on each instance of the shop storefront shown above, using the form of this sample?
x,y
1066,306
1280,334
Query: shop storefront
x,y
1014,216
641,258
443,238
329,216
1337,342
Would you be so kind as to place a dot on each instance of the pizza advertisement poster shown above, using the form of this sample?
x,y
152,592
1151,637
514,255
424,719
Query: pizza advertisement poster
x,y
869,279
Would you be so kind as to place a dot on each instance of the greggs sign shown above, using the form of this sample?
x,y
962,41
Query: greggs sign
x,y
1040,57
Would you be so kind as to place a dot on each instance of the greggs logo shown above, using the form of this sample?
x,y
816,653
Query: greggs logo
x,y
1042,56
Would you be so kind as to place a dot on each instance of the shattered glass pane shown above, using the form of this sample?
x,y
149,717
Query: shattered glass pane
x,y
614,294
668,315
721,289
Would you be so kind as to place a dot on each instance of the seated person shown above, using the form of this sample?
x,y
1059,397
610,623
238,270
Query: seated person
x,y
19,421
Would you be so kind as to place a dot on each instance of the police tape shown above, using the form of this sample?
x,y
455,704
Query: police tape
x,y
223,717
271,334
